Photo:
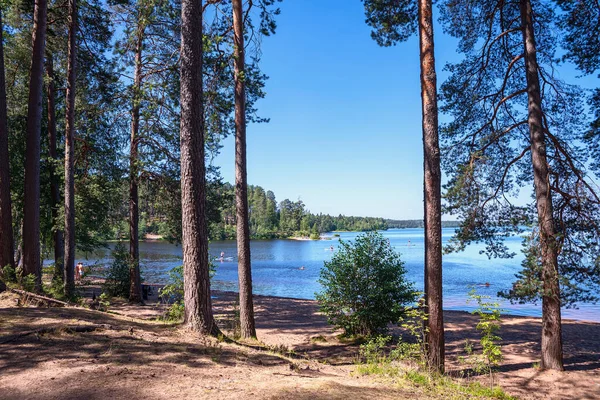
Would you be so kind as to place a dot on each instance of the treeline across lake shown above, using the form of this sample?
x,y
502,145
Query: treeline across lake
x,y
416,223
268,218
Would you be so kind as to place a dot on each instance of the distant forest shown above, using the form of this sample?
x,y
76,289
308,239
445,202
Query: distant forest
x,y
160,215
416,223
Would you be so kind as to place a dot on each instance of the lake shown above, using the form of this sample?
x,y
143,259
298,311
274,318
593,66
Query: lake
x,y
276,268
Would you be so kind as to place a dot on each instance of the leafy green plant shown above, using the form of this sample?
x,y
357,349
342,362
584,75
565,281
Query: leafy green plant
x,y
488,326
373,357
9,274
172,293
28,282
414,323
364,286
117,281
103,302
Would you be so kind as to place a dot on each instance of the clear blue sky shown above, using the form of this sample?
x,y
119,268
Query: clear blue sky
x,y
345,130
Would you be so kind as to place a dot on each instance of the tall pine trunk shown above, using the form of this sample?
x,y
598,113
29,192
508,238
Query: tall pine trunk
x,y
31,212
432,191
135,289
551,318
247,324
57,236
196,281
69,277
6,229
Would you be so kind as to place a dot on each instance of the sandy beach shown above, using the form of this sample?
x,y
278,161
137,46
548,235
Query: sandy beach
x,y
135,356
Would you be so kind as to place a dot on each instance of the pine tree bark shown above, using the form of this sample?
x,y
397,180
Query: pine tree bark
x,y
432,191
69,271
135,289
552,357
197,301
247,324
6,228
57,236
31,212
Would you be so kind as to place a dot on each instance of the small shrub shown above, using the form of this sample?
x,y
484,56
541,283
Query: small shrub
x,y
488,325
103,302
172,293
414,323
364,286
28,282
117,281
376,362
9,274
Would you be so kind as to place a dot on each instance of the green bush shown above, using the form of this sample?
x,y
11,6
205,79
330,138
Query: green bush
x,y
117,281
364,286
9,274
172,293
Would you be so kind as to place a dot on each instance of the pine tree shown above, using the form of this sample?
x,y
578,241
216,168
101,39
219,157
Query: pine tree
x,y
31,211
515,125
6,229
395,21
248,327
69,267
197,301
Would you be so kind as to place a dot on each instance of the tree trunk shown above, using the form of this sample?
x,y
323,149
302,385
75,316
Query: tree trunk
x,y
197,301
432,191
6,228
551,319
57,236
69,277
31,212
135,289
248,328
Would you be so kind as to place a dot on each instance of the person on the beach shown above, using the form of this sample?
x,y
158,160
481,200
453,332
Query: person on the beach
x,y
79,271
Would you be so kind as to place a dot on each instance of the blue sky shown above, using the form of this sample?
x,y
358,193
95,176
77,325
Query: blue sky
x,y
345,130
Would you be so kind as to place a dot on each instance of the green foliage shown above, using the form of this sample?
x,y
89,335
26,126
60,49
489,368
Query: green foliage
x,y
103,302
486,144
488,326
392,20
9,275
374,360
117,281
364,286
28,282
172,293
414,322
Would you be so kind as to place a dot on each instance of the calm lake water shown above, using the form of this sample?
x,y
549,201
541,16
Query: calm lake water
x,y
276,268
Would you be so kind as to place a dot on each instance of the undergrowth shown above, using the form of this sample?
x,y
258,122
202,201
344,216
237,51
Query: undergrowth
x,y
406,361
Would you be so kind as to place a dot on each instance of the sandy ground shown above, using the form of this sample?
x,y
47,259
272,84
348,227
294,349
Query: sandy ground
x,y
129,356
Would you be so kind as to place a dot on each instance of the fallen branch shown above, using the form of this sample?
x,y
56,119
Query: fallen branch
x,y
28,296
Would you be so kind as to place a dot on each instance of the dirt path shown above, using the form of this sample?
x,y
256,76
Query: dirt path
x,y
131,358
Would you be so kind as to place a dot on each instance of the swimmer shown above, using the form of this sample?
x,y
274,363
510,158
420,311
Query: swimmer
x,y
301,268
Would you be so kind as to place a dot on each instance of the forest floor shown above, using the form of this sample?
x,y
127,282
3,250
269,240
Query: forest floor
x,y
77,353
